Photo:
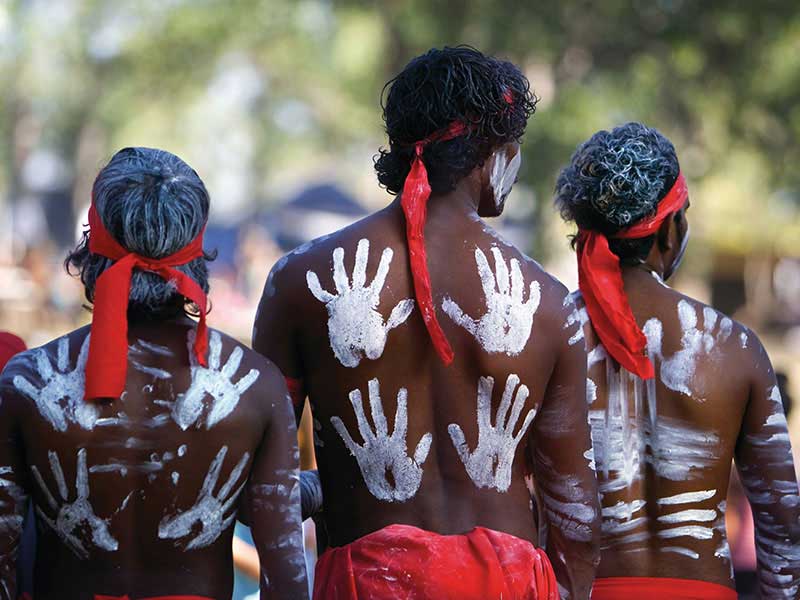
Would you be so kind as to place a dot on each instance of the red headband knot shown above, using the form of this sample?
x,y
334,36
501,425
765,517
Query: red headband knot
x,y
600,282
107,364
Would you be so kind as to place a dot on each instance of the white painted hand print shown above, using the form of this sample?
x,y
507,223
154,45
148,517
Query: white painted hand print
x,y
74,519
355,327
209,510
489,465
60,398
381,452
212,381
506,325
677,371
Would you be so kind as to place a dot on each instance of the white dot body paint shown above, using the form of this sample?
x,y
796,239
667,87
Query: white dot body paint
x,y
382,452
209,510
503,175
175,477
214,382
506,325
678,371
355,327
489,464
74,519
60,398
182,450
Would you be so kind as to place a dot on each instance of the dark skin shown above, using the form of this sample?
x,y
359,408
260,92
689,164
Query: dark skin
x,y
731,398
159,478
291,330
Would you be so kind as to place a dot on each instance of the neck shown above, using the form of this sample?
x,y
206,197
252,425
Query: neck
x,y
643,270
459,203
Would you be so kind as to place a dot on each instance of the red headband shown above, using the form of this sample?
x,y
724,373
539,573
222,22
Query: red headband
x,y
414,201
600,282
107,364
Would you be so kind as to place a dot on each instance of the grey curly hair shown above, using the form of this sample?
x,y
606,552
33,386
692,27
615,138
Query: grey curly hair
x,y
615,179
153,204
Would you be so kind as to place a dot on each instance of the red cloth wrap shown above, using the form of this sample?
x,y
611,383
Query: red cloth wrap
x,y
414,201
659,588
107,364
401,561
297,391
10,346
600,282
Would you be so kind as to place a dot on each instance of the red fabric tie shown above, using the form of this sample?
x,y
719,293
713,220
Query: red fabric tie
x,y
107,364
600,282
414,201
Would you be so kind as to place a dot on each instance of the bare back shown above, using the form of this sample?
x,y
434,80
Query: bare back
x,y
664,447
403,438
139,495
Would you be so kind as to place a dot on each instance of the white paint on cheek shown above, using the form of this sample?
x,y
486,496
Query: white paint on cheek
x,y
506,325
382,453
201,524
355,327
214,382
489,465
60,397
503,175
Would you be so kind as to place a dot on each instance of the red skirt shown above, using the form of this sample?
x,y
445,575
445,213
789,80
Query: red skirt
x,y
659,588
401,561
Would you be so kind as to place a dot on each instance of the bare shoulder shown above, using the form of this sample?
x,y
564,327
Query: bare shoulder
x,y
232,352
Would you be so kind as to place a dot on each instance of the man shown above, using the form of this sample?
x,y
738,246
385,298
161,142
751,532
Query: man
x,y
136,442
676,389
431,379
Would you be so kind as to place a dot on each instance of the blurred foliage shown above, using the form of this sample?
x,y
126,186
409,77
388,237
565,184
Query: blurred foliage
x,y
272,87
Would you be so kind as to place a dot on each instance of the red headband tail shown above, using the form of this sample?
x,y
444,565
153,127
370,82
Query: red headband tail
x,y
414,202
107,364
600,282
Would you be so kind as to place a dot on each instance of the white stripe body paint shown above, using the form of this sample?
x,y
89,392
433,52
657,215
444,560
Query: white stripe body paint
x,y
503,175
506,325
73,519
213,381
355,327
60,398
688,497
382,452
680,550
489,464
209,510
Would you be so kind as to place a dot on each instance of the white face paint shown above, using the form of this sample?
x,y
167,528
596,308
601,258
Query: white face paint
x,y
506,325
60,398
74,520
209,510
355,327
504,174
381,452
214,382
678,371
489,465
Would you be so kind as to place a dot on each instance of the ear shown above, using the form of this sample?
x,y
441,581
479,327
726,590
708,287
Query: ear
x,y
663,236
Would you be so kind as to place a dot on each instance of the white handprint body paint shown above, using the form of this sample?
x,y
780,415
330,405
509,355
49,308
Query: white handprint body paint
x,y
214,382
60,399
13,522
209,510
355,327
503,175
778,555
678,371
506,325
74,518
489,464
382,452
578,315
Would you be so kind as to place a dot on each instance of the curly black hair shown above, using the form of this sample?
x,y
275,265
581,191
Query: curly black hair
x,y
615,179
491,96
153,204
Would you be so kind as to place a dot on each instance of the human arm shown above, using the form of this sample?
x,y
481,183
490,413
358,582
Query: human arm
x,y
273,494
274,333
766,469
13,490
562,458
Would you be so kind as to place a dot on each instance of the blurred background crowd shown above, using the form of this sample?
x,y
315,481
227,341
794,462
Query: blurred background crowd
x,y
276,103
